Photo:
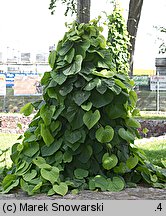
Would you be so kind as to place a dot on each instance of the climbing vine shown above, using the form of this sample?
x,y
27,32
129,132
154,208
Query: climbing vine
x,y
82,135
118,40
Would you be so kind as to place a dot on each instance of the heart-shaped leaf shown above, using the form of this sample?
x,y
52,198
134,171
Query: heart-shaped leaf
x,y
132,161
61,189
67,157
41,163
50,150
87,106
30,175
121,169
60,78
27,109
126,135
46,135
30,149
80,173
80,97
105,135
109,162
101,182
117,184
90,118
86,153
131,122
99,100
52,58
50,175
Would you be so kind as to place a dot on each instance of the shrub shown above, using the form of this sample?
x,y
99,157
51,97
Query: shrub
x,y
82,134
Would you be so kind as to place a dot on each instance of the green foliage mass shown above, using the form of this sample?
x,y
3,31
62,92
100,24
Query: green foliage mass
x,y
83,132
118,41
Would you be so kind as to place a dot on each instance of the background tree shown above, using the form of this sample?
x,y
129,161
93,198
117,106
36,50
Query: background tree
x,y
134,14
80,7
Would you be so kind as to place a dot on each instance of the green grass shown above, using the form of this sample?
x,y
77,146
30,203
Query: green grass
x,y
155,150
152,115
6,141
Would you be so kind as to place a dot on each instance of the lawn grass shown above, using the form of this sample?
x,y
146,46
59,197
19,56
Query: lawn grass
x,y
155,149
152,115
6,141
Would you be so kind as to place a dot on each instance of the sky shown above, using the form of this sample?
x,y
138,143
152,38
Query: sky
x,y
28,26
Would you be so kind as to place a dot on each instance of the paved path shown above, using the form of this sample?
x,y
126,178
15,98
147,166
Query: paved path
x,y
139,193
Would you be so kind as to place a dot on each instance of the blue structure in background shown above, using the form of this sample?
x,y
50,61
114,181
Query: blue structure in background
x,y
10,77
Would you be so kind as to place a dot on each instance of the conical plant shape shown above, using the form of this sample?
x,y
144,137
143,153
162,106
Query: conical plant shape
x,y
82,133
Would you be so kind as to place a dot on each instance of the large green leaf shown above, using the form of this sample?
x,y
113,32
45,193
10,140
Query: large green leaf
x,y
52,58
101,182
37,187
131,122
60,78
46,113
52,93
77,121
66,89
23,168
30,175
80,97
133,98
46,135
126,135
50,150
11,186
120,84
70,55
116,184
61,189
40,162
115,111
80,173
86,154
104,135
132,161
121,168
109,162
101,87
55,125
75,67
104,73
8,181
82,47
30,149
25,186
58,111
65,48
92,84
90,118
86,106
99,100
27,109
73,136
50,175
67,157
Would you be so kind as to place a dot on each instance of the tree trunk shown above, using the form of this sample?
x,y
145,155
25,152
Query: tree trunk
x,y
83,11
135,7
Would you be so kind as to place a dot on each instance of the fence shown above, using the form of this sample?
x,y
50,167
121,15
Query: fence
x,y
151,91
